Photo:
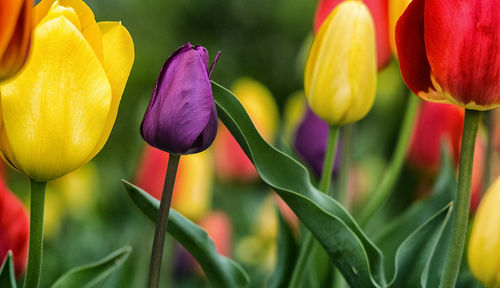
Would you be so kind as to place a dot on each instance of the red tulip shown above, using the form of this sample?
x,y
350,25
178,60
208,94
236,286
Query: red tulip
x,y
14,229
435,123
449,51
380,13
218,227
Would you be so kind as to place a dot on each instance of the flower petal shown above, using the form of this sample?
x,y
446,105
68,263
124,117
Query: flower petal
x,y
89,27
118,50
8,15
462,40
413,61
55,110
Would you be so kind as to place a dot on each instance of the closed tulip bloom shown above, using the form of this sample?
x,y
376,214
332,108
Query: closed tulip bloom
x,y
58,112
181,117
15,35
379,11
14,227
340,74
396,9
484,244
311,140
448,51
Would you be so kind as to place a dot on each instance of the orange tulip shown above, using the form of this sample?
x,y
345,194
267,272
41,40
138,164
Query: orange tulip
x,y
15,35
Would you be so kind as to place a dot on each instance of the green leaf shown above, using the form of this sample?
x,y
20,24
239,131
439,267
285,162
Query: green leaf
x,y
393,234
90,275
287,255
7,276
356,257
220,271
414,256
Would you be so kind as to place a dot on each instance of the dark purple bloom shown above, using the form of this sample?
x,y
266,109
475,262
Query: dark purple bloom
x,y
310,142
181,117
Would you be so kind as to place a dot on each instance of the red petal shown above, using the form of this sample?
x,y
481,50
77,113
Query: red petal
x,y
411,48
462,39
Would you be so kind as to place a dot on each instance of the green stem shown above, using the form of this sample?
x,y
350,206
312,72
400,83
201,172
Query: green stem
x,y
34,270
384,189
307,247
162,221
461,218
345,164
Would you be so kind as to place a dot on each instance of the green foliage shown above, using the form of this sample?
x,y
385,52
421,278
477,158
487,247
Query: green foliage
x,y
7,277
90,275
220,271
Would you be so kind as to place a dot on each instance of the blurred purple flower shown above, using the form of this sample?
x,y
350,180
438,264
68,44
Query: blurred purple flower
x,y
181,117
310,142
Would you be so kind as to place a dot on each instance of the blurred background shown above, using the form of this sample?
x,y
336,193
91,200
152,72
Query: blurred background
x,y
264,45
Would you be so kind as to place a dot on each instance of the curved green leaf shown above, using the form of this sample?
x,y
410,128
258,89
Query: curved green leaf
x,y
92,274
220,271
7,276
357,258
287,255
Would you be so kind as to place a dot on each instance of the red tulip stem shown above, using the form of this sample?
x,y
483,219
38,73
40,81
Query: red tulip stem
x,y
35,253
162,221
461,218
308,247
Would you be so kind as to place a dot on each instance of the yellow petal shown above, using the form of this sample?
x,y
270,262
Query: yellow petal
x,y
89,27
340,75
118,59
55,110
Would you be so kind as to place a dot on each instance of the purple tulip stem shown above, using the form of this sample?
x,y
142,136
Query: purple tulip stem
x,y
162,221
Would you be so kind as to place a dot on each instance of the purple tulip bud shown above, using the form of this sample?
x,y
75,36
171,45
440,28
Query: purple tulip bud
x,y
181,117
310,142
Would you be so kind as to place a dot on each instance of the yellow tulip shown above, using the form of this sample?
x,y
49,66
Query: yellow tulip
x,y
396,9
58,112
341,69
484,244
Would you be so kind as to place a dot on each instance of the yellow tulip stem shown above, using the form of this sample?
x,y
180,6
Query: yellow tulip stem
x,y
462,203
391,174
34,270
308,246
162,221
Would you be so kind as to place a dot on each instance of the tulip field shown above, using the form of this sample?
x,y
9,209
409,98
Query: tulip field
x,y
225,143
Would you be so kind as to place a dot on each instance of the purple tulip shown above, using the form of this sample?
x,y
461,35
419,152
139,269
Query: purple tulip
x,y
310,142
181,117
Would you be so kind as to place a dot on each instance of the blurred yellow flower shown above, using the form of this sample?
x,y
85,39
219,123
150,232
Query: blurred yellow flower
x,y
58,112
484,243
340,75
295,108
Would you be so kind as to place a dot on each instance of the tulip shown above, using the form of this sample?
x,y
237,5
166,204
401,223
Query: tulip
x,y
436,122
484,243
14,229
181,117
445,60
294,110
340,75
15,35
193,186
379,11
232,163
219,228
311,141
58,112
396,9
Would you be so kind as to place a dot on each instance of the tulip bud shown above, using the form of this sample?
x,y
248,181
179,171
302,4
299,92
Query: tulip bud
x,y
396,9
14,229
379,12
311,140
445,60
58,112
484,243
232,163
181,117
191,198
15,35
340,75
